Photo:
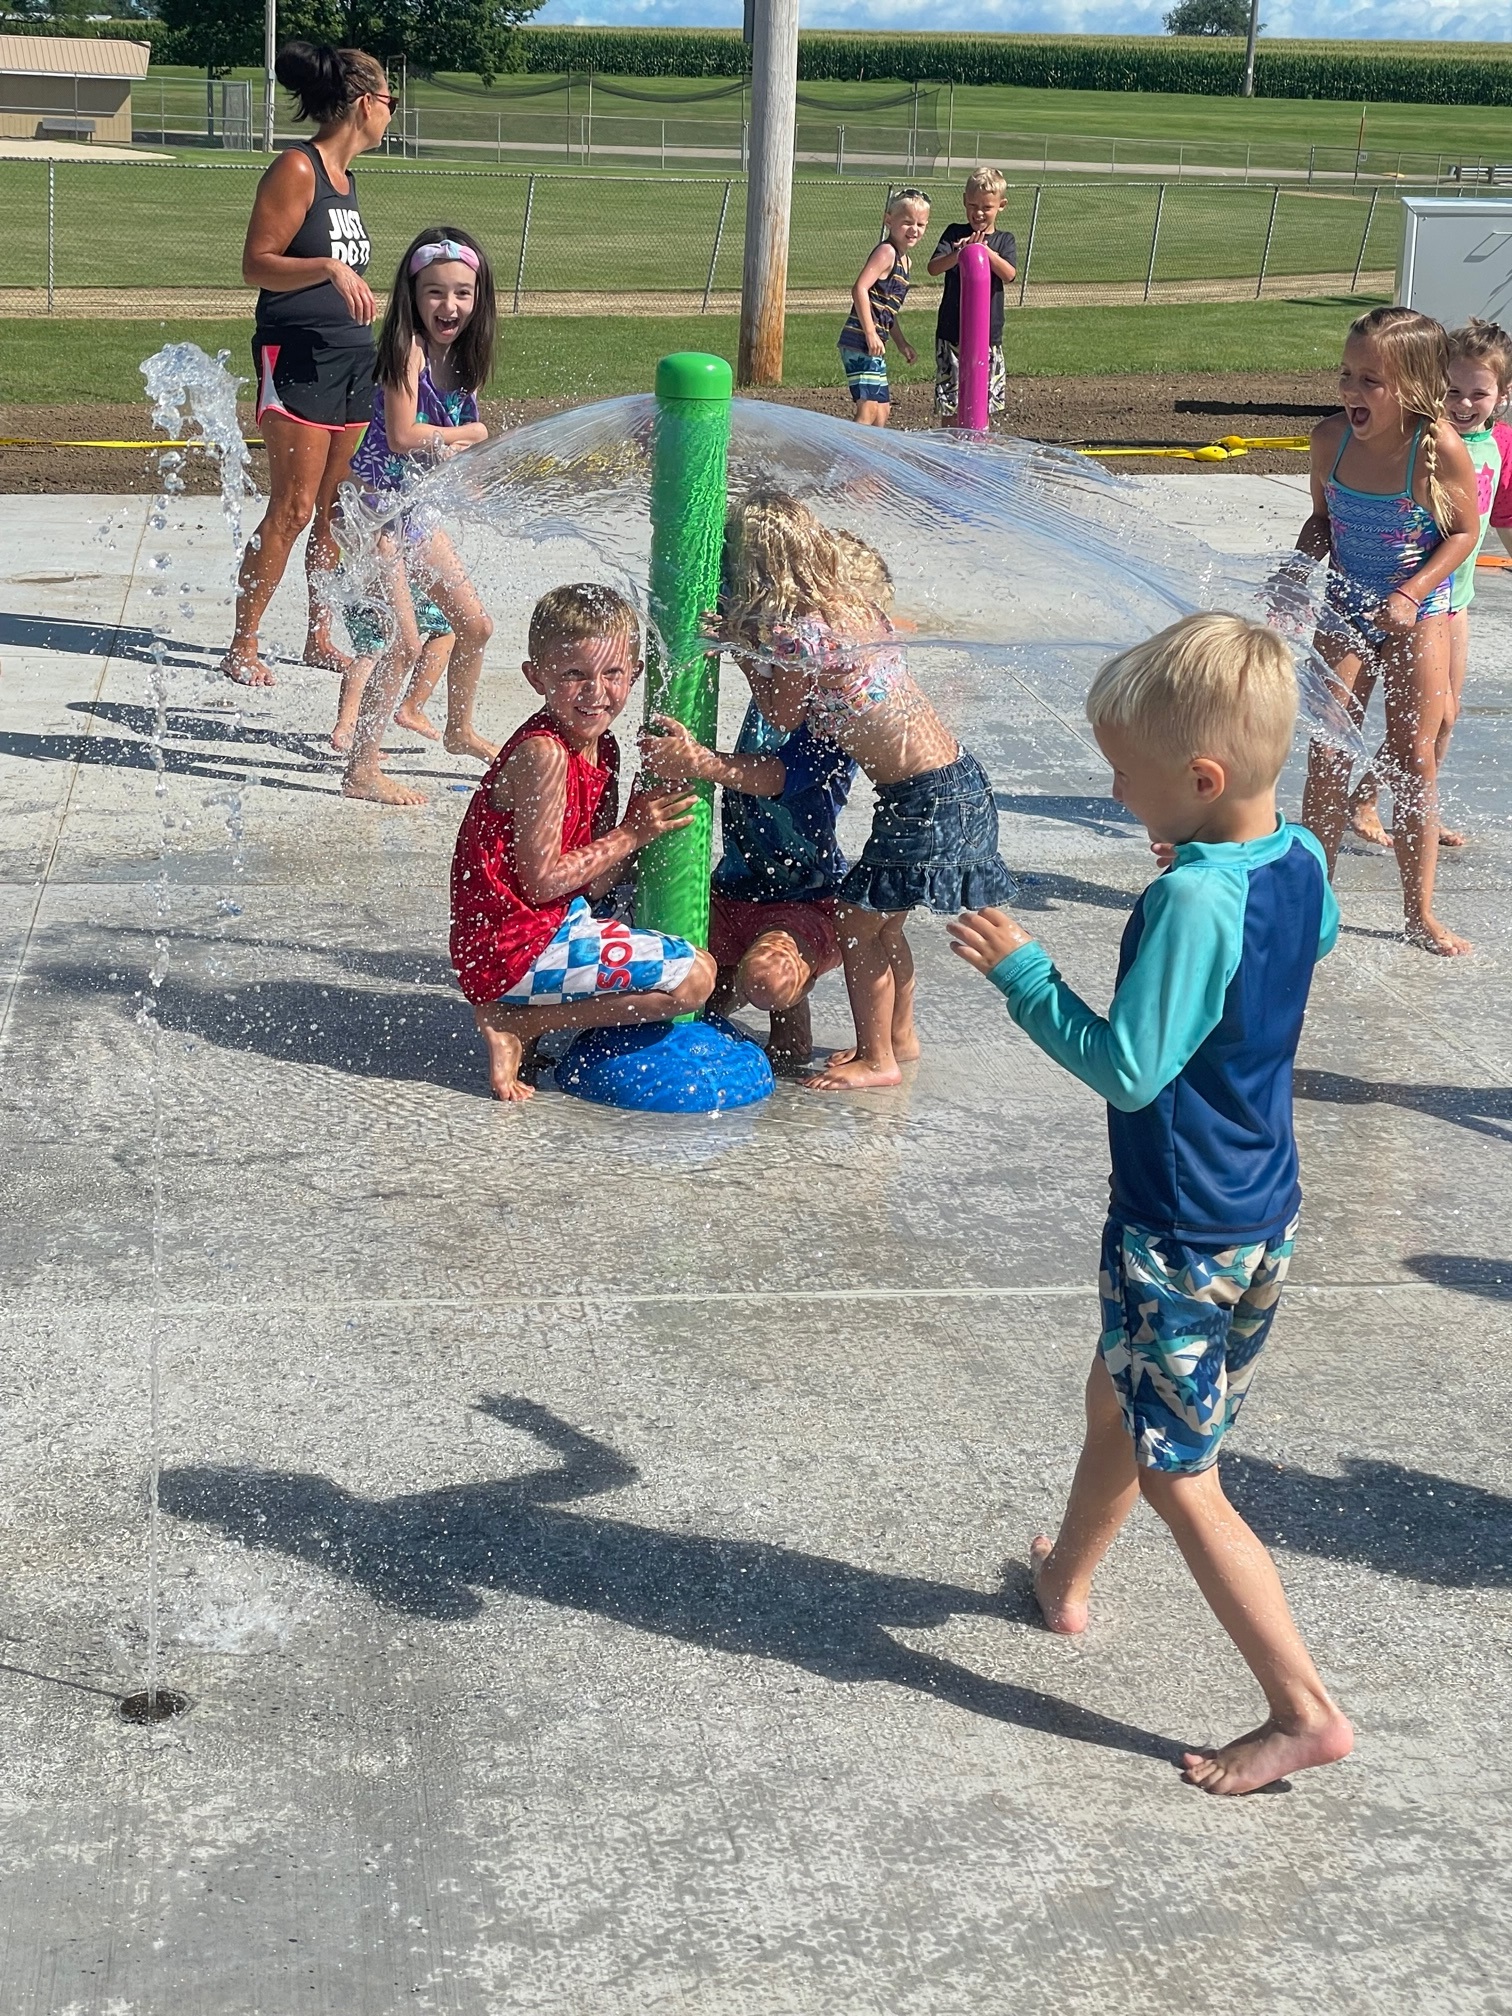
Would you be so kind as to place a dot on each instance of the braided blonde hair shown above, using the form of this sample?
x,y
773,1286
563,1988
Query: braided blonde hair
x,y
781,564
1414,354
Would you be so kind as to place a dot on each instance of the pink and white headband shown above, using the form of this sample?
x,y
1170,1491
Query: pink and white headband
x,y
441,248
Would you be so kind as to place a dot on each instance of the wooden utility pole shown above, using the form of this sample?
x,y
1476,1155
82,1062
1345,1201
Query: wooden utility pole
x,y
1247,88
270,83
769,191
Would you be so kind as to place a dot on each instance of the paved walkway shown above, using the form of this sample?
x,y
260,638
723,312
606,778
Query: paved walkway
x,y
582,1537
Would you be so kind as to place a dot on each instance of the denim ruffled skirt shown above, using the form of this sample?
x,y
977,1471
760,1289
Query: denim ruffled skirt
x,y
933,845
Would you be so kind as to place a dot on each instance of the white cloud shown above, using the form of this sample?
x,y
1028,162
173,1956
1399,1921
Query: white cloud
x,y
1403,20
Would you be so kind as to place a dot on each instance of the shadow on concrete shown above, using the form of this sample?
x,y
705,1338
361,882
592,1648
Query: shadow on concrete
x,y
1043,891
111,752
1468,1272
1482,1109
1095,815
1396,1520
214,724
409,969
404,1036
431,1553
96,640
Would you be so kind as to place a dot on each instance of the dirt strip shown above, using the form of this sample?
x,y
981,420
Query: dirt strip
x,y
1187,408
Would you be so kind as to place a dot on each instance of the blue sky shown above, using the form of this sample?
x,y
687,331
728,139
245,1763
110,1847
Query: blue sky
x,y
1410,20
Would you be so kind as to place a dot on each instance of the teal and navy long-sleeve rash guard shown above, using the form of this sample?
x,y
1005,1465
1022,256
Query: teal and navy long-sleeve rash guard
x,y
1195,1055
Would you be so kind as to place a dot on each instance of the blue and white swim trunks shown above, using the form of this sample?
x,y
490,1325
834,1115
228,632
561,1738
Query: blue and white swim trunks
x,y
600,955
866,376
1182,1334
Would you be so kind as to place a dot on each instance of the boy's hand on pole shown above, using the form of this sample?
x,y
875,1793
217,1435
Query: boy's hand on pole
x,y
669,751
984,938
652,813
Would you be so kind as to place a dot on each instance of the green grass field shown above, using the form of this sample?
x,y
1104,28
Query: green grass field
x,y
69,363
1010,120
629,235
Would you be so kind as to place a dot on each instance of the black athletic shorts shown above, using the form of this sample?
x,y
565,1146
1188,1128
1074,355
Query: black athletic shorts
x,y
300,376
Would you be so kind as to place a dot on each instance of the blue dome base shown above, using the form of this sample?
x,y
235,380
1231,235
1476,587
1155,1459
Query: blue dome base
x,y
667,1067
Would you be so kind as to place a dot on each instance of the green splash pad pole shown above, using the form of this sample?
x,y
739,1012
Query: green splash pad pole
x,y
688,458
693,1065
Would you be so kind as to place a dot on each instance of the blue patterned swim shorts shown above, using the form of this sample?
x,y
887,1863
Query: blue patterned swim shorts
x,y
600,955
1182,1335
866,376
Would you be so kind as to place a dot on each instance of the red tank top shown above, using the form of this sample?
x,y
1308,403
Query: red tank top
x,y
496,934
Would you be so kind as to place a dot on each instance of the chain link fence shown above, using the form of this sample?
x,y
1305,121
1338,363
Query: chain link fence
x,y
142,238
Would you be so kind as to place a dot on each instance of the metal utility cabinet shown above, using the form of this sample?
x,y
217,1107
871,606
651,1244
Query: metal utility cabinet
x,y
1457,258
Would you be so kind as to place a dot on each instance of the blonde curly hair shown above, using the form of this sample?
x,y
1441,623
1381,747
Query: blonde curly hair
x,y
1414,354
781,563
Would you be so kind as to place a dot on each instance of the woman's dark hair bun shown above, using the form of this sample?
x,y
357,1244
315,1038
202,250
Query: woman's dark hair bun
x,y
315,76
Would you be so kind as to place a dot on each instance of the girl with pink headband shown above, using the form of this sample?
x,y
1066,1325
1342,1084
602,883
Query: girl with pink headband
x,y
435,353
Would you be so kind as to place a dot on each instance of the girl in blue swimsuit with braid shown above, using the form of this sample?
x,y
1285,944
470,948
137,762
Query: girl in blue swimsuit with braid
x,y
1395,511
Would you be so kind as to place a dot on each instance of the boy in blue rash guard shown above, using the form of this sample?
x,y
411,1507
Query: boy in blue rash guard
x,y
772,898
1195,1061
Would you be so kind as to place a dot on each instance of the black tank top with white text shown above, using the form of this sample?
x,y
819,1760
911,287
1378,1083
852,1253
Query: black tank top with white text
x,y
332,229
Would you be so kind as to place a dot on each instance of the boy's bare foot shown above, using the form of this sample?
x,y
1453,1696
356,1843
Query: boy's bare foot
x,y
416,722
1429,935
1060,1613
507,1063
1268,1753
1449,838
382,790
246,671
1365,824
468,742
853,1074
341,739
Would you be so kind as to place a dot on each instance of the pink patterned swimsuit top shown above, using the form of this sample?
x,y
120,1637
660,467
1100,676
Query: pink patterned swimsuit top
x,y
844,679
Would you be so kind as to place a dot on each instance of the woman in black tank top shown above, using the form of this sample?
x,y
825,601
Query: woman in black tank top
x,y
307,253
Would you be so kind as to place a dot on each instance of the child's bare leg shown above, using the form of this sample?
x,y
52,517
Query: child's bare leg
x,y
905,1036
353,685
1325,798
869,981
365,776
1244,1592
1365,812
1416,689
429,666
510,1034
322,555
447,584
1459,659
1103,1494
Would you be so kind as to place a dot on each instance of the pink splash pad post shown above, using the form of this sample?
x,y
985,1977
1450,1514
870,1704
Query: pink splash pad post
x,y
976,306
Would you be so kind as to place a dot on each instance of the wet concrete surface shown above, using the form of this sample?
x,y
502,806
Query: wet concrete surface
x,y
592,1543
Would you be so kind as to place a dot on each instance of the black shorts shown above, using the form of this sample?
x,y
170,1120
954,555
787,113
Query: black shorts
x,y
300,376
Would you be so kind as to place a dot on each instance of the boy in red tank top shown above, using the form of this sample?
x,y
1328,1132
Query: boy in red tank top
x,y
541,839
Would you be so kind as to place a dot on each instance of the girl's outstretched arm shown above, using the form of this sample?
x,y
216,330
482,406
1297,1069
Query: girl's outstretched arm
x,y
672,754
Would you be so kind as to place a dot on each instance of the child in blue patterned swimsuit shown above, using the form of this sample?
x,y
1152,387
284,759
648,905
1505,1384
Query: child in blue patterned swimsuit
x,y
1395,511
1195,1061
876,303
435,353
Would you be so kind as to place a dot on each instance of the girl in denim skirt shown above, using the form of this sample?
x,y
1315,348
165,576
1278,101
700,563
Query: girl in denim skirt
x,y
810,606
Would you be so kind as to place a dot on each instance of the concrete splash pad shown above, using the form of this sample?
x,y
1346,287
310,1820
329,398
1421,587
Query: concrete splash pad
x,y
582,1536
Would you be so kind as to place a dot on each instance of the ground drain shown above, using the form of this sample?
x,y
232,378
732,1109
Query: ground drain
x,y
160,1705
